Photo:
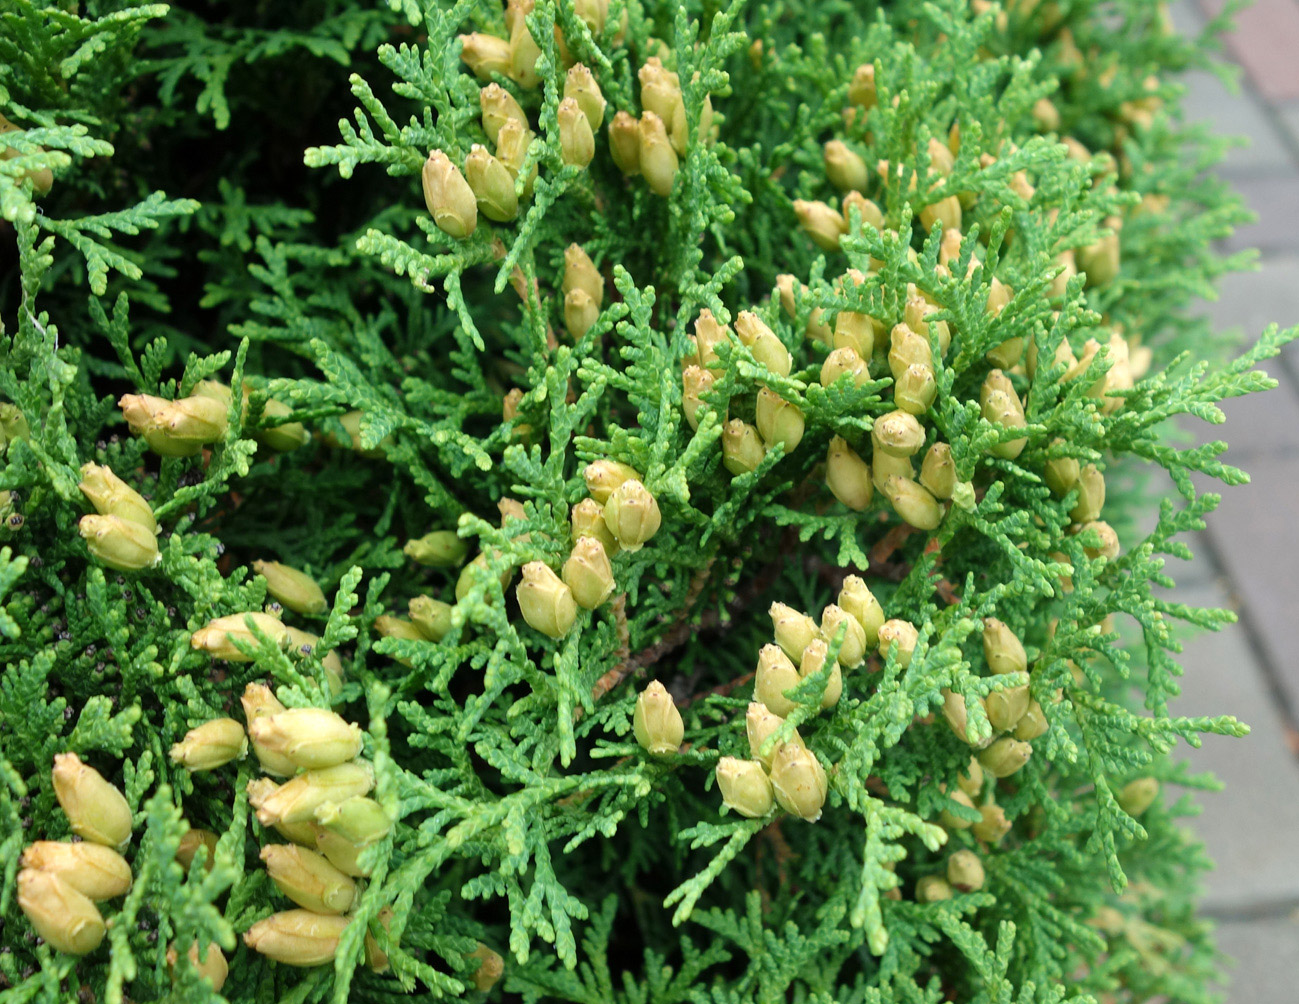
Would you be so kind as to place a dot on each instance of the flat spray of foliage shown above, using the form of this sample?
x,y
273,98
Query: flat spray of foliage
x,y
528,818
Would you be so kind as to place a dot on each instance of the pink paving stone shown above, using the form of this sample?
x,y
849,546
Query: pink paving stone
x,y
1266,41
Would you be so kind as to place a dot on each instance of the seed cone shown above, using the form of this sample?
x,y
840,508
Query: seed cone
x,y
656,722
448,197
190,842
340,852
111,496
588,573
632,514
547,604
1138,796
308,879
95,871
793,630
297,937
218,636
360,821
96,810
211,745
311,738
965,871
297,800
852,651
799,781
120,543
490,968
759,724
211,967
296,590
847,475
745,787
65,918
901,635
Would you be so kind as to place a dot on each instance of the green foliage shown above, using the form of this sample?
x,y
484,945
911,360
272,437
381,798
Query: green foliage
x,y
439,385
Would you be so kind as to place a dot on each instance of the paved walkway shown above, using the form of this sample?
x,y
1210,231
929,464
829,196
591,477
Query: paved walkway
x,y
1248,559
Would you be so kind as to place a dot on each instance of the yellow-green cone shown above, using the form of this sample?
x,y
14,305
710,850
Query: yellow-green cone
x,y
432,617
448,197
96,810
1003,651
210,745
656,721
776,673
437,549
1138,796
994,825
742,447
745,787
1005,757
67,920
580,85
852,651
294,589
297,937
632,515
576,138
211,967
898,434
847,475
95,871
340,852
547,604
120,543
799,781
490,968
580,273
311,738
793,630
218,636
900,635
965,871
188,848
813,661
498,107
111,496
1006,707
759,724
820,222
1032,724
308,879
938,471
857,600
932,889
492,185
913,503
297,800
604,476
588,573
358,820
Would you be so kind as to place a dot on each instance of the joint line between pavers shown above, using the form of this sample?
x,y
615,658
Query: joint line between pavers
x,y
1276,909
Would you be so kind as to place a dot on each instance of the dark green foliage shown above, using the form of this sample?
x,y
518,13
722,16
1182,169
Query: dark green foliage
x,y
292,255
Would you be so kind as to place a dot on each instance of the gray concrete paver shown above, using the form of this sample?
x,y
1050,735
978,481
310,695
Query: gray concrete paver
x,y
1253,532
1238,114
1266,960
1248,302
1275,202
1289,112
1249,827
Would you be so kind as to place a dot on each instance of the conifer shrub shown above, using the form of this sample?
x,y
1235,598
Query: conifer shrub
x,y
637,501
